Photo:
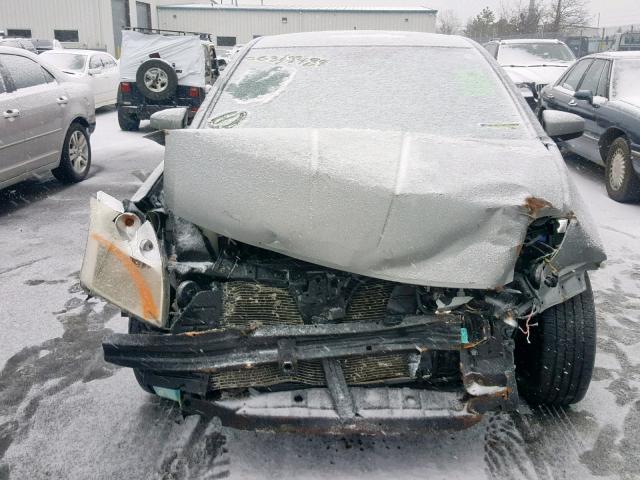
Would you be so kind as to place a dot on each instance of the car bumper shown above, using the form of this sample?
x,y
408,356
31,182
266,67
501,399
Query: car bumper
x,y
184,366
144,112
376,411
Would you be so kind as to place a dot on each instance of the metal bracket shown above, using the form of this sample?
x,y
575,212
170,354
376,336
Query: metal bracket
x,y
342,399
286,356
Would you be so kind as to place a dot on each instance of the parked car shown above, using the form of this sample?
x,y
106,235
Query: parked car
x,y
532,63
45,45
626,42
23,43
603,89
98,70
311,257
158,71
46,120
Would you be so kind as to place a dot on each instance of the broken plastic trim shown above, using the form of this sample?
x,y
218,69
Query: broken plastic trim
x,y
123,262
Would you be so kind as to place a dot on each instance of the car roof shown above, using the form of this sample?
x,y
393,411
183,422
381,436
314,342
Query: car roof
x,y
614,55
18,51
362,38
78,51
529,40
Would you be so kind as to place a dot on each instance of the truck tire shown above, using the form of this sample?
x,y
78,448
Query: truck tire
x,y
623,184
127,121
156,79
556,367
75,158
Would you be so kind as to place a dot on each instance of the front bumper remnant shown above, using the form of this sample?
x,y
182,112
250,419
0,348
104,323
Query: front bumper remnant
x,y
378,411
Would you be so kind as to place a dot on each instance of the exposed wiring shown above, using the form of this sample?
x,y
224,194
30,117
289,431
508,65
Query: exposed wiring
x,y
528,325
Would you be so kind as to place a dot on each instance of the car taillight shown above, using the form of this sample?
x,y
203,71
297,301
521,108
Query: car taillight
x,y
125,87
194,109
194,92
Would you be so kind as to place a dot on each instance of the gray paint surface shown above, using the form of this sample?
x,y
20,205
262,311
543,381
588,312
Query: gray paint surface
x,y
402,206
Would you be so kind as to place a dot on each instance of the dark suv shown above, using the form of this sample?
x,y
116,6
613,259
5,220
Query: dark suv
x,y
162,69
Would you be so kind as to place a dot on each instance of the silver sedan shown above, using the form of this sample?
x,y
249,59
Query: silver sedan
x,y
47,119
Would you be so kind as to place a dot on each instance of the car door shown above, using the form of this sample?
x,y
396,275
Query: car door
x,y
561,95
11,135
41,104
587,144
111,78
97,79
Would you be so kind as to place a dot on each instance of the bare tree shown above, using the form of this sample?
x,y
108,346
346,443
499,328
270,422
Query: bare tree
x,y
448,22
563,14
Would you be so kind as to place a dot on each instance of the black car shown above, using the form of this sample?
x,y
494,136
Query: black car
x,y
604,90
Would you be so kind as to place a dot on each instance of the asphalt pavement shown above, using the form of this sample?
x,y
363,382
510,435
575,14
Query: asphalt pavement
x,y
66,414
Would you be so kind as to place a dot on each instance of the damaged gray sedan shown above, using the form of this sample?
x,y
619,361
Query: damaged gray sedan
x,y
336,246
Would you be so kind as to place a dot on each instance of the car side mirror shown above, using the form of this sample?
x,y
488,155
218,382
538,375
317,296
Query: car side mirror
x,y
584,95
169,119
95,71
562,126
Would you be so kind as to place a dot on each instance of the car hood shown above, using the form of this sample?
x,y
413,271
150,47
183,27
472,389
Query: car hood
x,y
406,207
540,75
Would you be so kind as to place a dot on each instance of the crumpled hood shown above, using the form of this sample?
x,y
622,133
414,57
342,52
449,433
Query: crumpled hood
x,y
407,207
536,74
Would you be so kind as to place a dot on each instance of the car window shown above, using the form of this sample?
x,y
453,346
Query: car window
x,y
24,71
313,87
603,85
2,89
95,62
625,74
107,61
592,77
532,53
573,76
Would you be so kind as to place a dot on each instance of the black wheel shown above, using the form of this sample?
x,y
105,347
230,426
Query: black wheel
x,y
623,184
555,368
156,79
127,121
75,159
136,326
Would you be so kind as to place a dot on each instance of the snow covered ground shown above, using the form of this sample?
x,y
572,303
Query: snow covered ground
x,y
64,413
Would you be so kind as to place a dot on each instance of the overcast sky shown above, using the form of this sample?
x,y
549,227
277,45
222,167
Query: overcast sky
x,y
612,12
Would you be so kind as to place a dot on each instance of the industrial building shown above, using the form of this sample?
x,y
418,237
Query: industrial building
x,y
96,24
231,25
93,24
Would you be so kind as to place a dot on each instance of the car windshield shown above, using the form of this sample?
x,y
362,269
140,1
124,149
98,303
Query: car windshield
x,y
533,53
74,62
625,79
340,87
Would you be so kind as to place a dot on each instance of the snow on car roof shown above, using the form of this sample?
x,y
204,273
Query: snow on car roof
x,y
530,40
78,51
614,55
363,38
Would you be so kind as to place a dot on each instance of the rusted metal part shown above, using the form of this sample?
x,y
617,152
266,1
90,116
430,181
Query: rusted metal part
x,y
219,350
535,205
381,411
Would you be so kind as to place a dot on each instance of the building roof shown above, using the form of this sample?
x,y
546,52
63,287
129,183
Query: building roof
x,y
363,38
206,6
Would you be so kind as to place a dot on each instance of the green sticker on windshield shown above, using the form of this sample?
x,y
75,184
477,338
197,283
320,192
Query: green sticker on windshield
x,y
472,83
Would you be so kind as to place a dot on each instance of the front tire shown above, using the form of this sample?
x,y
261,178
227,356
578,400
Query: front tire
x,y
75,159
623,184
556,367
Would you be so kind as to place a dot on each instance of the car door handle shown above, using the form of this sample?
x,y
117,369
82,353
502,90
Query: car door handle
x,y
572,103
11,113
62,100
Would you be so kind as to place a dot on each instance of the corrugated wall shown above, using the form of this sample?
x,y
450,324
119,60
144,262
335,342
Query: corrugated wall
x,y
244,24
92,19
